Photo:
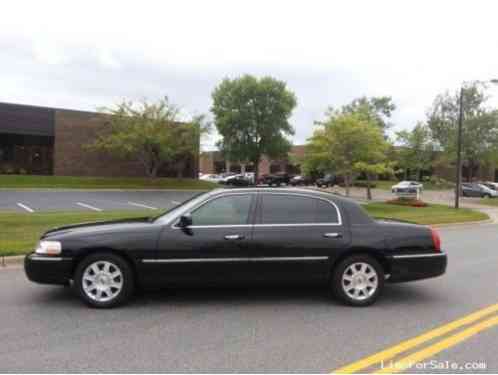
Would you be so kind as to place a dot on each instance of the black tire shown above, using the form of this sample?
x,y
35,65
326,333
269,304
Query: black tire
x,y
126,278
338,288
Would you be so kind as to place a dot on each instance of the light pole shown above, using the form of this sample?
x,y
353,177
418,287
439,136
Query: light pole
x,y
459,153
458,188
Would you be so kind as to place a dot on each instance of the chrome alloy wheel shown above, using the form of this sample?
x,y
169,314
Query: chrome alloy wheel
x,y
102,281
360,281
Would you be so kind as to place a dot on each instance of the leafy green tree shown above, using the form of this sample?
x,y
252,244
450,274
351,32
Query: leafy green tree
x,y
480,126
416,149
377,110
252,115
348,143
150,133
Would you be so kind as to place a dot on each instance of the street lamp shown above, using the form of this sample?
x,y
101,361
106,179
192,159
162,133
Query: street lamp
x,y
459,147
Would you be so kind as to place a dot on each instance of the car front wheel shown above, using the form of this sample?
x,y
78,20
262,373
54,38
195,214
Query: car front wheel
x,y
104,280
358,280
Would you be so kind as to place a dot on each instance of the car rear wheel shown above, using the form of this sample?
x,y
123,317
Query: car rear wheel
x,y
358,280
104,280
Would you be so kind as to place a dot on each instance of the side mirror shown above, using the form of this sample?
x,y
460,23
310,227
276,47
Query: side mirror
x,y
185,221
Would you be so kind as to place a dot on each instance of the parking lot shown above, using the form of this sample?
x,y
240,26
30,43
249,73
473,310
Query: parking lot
x,y
106,200
46,328
66,200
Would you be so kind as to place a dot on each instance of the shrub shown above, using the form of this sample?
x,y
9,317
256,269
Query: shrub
x,y
410,202
7,169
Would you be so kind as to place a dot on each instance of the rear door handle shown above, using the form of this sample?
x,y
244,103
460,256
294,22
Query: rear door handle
x,y
332,235
234,237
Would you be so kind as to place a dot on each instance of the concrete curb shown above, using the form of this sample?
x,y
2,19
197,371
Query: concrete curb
x,y
7,261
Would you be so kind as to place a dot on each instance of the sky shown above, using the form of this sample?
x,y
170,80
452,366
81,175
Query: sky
x,y
91,54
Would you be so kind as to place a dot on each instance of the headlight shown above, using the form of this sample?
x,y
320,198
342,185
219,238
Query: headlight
x,y
49,248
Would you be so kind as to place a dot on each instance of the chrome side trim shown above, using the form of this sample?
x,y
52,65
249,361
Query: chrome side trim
x,y
419,255
258,225
193,260
286,259
51,259
256,259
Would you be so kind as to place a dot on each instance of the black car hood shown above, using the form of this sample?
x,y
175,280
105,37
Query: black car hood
x,y
98,226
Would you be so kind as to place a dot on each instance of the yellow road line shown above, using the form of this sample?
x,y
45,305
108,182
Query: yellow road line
x,y
389,353
410,360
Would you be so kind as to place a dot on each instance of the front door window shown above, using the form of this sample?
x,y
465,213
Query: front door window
x,y
229,210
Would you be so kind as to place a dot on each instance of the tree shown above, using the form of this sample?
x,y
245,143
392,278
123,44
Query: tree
x,y
480,126
150,133
377,110
348,143
252,115
416,149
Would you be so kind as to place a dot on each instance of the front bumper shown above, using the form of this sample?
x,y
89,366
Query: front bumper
x,y
411,267
48,269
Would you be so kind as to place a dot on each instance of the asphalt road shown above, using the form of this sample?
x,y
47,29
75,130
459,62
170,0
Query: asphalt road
x,y
46,328
64,200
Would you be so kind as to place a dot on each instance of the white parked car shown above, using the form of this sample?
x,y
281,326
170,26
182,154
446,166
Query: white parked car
x,y
211,178
489,192
491,185
407,187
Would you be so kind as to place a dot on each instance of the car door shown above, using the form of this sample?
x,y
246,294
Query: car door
x,y
214,249
294,236
476,191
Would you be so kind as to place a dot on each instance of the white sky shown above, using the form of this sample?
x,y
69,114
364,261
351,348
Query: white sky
x,y
95,53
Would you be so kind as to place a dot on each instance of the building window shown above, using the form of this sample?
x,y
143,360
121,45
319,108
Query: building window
x,y
6,153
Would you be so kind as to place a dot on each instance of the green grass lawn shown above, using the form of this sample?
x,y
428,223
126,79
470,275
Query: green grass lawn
x,y
19,232
69,182
432,214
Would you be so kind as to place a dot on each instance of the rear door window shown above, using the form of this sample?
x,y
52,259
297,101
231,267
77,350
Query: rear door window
x,y
295,209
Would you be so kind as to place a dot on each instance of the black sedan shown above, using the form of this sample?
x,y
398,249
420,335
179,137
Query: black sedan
x,y
241,236
276,179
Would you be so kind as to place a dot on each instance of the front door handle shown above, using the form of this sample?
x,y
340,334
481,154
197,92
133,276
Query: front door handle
x,y
332,235
234,237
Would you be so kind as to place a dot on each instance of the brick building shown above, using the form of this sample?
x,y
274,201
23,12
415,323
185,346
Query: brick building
x,y
213,162
52,141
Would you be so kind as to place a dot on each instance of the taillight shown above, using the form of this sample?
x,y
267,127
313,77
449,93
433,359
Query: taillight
x,y
436,239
